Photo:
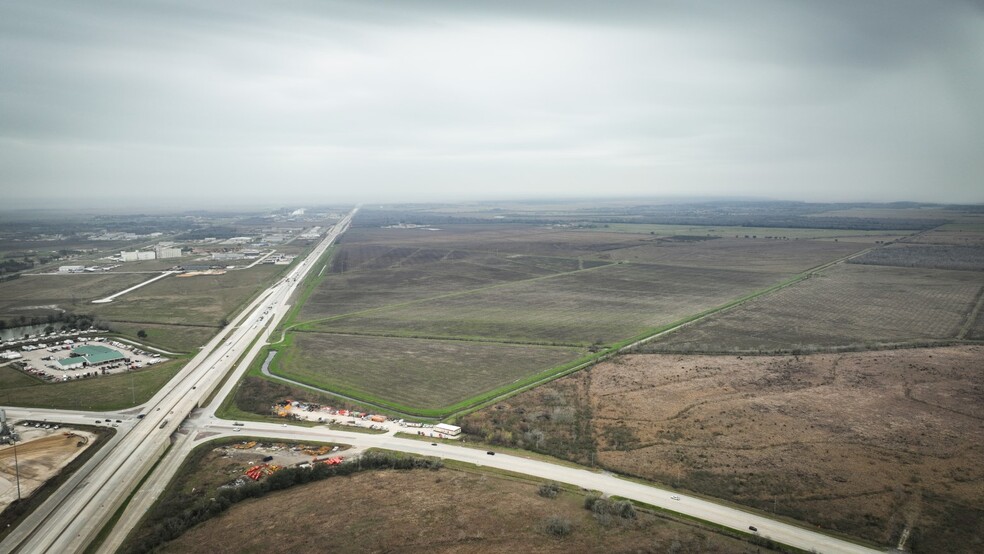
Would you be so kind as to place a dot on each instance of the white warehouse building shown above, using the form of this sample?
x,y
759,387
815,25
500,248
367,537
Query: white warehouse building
x,y
164,252
138,255
450,430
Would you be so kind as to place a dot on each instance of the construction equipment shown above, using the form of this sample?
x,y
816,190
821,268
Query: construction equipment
x,y
259,471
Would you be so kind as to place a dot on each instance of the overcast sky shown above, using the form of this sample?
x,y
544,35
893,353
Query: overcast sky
x,y
416,100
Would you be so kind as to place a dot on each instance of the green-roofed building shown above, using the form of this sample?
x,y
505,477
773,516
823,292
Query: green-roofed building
x,y
90,354
72,363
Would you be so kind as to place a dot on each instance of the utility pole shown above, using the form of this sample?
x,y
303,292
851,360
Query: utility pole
x,y
17,470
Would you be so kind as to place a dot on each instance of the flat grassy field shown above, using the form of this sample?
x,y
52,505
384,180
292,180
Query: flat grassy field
x,y
932,256
40,294
11,378
521,286
726,231
771,256
425,374
531,240
111,392
965,235
173,338
863,443
845,306
201,300
385,284
602,304
437,511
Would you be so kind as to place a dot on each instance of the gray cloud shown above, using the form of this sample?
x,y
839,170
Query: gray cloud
x,y
406,100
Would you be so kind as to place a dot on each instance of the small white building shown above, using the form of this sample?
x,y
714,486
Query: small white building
x,y
450,430
71,268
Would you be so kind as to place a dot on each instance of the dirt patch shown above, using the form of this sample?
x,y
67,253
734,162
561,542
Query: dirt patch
x,y
434,512
41,456
865,443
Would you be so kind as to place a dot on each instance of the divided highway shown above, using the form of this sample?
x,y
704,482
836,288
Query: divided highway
x,y
71,518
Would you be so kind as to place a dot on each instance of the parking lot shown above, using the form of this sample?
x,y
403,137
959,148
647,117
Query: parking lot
x,y
41,359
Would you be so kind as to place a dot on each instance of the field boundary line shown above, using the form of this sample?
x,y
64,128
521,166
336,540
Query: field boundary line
x,y
628,345
482,400
972,316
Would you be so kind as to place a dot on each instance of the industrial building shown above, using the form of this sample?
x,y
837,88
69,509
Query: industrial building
x,y
164,252
71,268
450,430
90,355
138,255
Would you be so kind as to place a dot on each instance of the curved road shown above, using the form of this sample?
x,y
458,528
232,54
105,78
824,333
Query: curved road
x,y
69,520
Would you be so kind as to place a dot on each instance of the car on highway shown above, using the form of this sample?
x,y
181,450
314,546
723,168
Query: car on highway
x,y
236,429
433,444
753,528
238,424
674,497
490,453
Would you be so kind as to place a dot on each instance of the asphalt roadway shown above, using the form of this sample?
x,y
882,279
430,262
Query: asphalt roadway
x,y
71,517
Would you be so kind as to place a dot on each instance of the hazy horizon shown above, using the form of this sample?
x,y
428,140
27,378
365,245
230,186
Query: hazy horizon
x,y
232,104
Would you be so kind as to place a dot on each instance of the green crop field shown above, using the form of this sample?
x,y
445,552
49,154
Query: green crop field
x,y
111,392
420,373
845,306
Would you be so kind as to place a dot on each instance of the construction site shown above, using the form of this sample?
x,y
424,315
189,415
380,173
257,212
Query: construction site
x,y
251,460
33,452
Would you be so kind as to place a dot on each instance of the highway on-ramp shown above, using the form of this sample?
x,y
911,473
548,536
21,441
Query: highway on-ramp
x,y
70,519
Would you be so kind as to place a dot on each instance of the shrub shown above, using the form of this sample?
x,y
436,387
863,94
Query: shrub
x,y
549,490
558,526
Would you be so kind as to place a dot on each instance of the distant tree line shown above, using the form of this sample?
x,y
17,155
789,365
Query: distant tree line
x,y
62,321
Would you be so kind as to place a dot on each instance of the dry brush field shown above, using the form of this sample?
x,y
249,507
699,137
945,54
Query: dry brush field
x,y
847,305
442,511
864,443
